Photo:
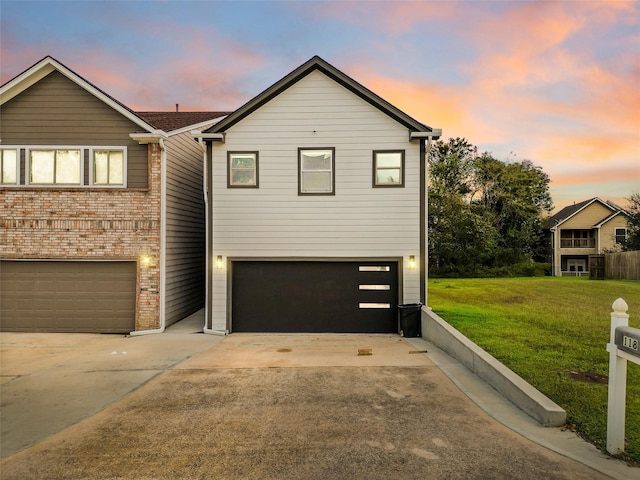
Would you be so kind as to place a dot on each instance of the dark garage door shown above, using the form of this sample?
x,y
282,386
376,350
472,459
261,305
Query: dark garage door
x,y
67,296
308,296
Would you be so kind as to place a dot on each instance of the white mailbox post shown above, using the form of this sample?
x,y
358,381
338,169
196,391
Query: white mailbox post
x,y
624,344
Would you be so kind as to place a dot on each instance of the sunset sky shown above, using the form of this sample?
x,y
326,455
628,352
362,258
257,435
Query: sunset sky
x,y
557,83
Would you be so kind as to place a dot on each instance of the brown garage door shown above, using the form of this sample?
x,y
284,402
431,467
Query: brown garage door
x,y
67,296
314,296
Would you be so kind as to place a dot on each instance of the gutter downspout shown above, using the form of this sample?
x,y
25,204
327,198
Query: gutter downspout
x,y
552,230
163,241
425,261
205,190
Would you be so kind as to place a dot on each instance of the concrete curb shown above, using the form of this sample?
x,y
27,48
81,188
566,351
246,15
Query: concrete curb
x,y
496,374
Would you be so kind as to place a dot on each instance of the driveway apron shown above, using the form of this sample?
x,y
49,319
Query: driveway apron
x,y
261,407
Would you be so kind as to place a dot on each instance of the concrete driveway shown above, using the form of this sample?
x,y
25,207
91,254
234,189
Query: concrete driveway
x,y
188,405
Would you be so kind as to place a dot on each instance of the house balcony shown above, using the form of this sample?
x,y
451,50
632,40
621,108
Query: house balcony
x,y
577,243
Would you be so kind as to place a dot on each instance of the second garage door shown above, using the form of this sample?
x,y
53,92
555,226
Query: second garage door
x,y
314,296
67,296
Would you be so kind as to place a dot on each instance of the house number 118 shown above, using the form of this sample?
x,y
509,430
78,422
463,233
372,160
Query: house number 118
x,y
630,342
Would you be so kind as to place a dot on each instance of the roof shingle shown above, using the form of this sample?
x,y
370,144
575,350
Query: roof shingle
x,y
169,121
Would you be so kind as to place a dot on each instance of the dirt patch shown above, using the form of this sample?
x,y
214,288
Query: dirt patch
x,y
589,377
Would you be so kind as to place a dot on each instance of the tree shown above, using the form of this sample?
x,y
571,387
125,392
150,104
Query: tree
x,y
632,242
459,240
512,196
483,213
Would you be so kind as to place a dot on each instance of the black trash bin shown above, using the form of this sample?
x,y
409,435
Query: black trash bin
x,y
410,319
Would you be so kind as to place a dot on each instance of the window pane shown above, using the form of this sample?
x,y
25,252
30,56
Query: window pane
x,y
389,159
68,166
243,169
316,182
373,268
9,166
100,167
116,168
243,161
316,160
388,176
243,177
41,164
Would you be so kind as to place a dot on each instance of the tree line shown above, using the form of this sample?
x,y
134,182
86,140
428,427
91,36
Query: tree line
x,y
485,215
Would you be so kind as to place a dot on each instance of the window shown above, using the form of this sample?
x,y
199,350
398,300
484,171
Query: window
x,y
316,167
9,166
55,167
108,167
388,168
243,169
621,235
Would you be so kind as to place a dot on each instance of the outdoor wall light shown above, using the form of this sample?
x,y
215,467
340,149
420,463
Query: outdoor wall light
x,y
219,263
146,260
412,262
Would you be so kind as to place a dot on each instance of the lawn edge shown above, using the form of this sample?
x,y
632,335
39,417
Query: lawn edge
x,y
513,387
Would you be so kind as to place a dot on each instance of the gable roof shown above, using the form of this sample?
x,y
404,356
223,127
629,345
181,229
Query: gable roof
x,y
49,64
317,63
568,212
150,122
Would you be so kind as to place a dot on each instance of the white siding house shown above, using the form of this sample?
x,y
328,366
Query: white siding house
x,y
313,186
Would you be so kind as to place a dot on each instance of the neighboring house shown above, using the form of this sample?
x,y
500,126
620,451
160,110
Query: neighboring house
x,y
315,208
101,208
583,229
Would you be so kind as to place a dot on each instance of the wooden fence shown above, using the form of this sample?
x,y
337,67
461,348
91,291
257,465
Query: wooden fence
x,y
622,266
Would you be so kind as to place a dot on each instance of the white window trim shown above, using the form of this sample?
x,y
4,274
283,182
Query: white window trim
x,y
615,234
18,151
124,174
27,175
255,154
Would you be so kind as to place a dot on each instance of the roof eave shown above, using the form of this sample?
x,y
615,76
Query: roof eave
x,y
196,126
144,138
434,134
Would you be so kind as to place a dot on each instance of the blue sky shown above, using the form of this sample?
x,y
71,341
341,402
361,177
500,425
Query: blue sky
x,y
557,83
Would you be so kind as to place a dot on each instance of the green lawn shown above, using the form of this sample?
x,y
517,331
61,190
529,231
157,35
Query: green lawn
x,y
545,328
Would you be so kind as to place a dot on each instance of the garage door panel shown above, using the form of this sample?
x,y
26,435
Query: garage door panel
x,y
67,296
307,296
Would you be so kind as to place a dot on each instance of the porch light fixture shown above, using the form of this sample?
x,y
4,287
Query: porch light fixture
x,y
412,262
146,260
219,263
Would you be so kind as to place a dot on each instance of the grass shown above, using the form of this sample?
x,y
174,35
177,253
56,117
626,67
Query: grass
x,y
545,328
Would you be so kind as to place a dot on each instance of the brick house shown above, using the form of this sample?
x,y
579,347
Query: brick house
x,y
578,231
101,208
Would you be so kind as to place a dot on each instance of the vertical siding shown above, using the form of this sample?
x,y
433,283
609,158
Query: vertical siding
x,y
56,111
185,230
274,221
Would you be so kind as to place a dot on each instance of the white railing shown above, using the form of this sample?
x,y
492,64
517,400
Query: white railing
x,y
569,273
624,344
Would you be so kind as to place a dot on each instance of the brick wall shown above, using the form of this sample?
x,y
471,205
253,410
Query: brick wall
x,y
101,224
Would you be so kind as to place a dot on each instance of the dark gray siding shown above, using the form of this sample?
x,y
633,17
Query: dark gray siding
x,y
56,111
185,232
